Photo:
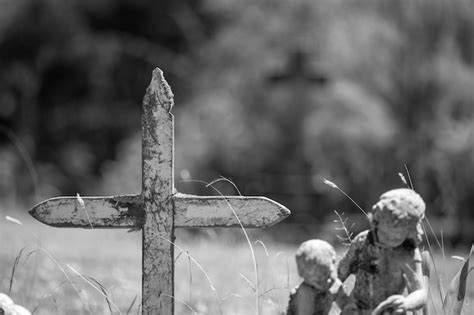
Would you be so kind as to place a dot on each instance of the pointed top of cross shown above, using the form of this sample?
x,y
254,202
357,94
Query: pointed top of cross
x,y
160,89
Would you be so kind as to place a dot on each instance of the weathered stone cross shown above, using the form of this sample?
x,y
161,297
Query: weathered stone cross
x,y
159,208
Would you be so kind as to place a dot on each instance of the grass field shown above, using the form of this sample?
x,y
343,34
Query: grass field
x,y
112,259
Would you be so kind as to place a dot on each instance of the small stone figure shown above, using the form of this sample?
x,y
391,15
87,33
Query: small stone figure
x,y
316,262
7,307
385,259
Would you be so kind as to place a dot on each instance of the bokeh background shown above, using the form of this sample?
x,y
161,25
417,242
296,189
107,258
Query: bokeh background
x,y
274,95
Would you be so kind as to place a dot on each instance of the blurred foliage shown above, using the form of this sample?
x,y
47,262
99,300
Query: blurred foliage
x,y
379,85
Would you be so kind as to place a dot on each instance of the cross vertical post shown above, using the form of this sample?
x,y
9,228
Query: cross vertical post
x,y
157,192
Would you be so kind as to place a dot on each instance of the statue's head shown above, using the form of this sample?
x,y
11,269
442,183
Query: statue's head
x,y
316,262
397,216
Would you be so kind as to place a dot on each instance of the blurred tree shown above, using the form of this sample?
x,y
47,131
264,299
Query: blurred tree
x,y
381,109
397,89
73,75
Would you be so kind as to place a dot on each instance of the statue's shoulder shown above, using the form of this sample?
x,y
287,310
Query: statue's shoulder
x,y
364,238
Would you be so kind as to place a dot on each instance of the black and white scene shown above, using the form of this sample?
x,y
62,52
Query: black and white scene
x,y
303,157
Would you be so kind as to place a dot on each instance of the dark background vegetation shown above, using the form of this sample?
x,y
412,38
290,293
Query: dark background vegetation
x,y
275,95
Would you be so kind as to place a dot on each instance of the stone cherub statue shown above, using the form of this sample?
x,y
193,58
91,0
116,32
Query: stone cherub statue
x,y
316,263
7,307
385,259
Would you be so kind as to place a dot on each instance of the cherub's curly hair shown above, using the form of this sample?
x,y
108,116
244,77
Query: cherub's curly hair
x,y
401,206
314,254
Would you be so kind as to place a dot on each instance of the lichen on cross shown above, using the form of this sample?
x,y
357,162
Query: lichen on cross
x,y
159,208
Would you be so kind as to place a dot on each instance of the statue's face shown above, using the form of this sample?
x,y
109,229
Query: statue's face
x,y
323,277
395,216
391,234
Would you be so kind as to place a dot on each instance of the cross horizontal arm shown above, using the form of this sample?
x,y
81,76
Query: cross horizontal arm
x,y
252,212
190,211
91,212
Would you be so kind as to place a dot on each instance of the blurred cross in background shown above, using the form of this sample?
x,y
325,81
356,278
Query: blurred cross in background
x,y
298,71
293,90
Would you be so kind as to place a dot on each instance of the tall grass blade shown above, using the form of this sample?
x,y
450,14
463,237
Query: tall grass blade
x,y
190,278
272,271
332,185
426,271
15,264
96,285
425,263
263,246
68,278
13,220
211,284
182,302
252,251
56,262
430,250
409,178
177,257
35,310
454,299
228,180
131,304
105,294
403,179
83,207
248,282
23,152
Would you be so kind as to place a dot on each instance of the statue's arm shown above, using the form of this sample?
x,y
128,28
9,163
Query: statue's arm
x,y
348,263
417,290
346,304
344,268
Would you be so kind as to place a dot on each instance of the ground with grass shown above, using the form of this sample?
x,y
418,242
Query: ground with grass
x,y
72,271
